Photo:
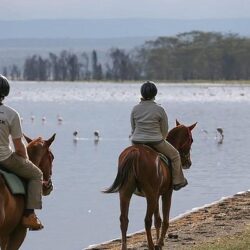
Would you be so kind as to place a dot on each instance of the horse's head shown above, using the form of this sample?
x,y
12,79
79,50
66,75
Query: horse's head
x,y
181,138
40,154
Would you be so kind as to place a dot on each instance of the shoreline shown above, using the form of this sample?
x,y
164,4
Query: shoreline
x,y
226,216
168,82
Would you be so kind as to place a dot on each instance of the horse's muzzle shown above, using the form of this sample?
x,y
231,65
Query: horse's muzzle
x,y
187,165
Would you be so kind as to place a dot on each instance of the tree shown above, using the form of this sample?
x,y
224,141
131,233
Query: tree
x,y
96,67
122,66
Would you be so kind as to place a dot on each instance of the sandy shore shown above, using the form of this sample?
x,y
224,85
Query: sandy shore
x,y
227,217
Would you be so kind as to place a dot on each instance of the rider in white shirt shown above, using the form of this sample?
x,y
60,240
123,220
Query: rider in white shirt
x,y
17,161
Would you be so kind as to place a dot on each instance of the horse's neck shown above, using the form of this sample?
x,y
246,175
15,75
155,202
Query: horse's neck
x,y
173,140
34,158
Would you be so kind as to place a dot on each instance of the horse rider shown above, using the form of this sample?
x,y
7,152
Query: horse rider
x,y
17,161
149,124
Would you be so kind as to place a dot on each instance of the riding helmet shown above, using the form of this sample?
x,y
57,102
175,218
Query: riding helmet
x,y
4,86
148,90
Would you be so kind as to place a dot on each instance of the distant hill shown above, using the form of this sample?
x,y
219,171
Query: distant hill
x,y
19,39
117,28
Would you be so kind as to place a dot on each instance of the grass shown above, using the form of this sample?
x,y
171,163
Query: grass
x,y
235,242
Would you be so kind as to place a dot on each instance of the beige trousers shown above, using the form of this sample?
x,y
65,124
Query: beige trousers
x,y
30,172
172,153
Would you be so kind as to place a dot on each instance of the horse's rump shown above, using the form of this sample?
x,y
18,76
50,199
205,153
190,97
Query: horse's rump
x,y
139,164
127,162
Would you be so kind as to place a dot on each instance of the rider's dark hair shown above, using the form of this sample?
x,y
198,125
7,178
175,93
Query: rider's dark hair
x,y
4,87
148,90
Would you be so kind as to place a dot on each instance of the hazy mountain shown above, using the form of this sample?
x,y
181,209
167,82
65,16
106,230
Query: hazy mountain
x,y
111,28
19,39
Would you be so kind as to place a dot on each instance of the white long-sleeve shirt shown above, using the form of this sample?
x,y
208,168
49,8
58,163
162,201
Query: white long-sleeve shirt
x,y
149,122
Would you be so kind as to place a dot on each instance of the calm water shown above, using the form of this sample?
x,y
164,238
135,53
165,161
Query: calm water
x,y
77,214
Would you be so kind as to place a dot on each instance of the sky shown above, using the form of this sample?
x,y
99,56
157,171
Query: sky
x,y
99,9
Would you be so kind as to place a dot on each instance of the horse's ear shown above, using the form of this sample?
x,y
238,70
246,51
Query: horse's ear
x,y
192,126
27,138
51,139
177,123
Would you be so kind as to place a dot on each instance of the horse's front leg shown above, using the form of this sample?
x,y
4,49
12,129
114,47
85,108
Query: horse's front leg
x,y
166,204
124,207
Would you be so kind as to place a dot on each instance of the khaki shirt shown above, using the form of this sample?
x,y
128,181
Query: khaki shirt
x,y
10,125
149,122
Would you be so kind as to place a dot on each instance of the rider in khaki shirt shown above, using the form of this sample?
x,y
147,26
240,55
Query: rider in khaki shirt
x,y
17,161
149,123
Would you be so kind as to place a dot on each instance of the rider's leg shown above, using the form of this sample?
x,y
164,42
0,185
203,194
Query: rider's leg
x,y
172,153
30,172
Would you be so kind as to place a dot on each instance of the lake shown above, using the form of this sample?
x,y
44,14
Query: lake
x,y
77,214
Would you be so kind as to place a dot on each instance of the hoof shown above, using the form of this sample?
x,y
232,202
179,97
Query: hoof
x,y
157,247
172,236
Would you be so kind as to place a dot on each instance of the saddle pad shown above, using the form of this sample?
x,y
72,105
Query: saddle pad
x,y
165,159
14,183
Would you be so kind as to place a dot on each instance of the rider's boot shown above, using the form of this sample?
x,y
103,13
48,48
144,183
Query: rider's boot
x,y
32,222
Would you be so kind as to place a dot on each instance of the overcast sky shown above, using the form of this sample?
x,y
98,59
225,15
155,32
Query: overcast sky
x,y
173,9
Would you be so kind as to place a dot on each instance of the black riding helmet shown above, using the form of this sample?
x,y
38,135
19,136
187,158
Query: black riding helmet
x,y
4,86
148,90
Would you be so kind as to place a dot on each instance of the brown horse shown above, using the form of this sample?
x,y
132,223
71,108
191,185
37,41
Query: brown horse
x,y
140,169
12,233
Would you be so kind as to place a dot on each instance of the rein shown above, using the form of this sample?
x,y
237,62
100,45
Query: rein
x,y
47,183
188,142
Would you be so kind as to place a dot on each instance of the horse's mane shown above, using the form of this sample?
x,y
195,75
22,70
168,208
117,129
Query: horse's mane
x,y
36,141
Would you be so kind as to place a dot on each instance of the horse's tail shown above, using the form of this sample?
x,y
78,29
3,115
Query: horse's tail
x,y
127,162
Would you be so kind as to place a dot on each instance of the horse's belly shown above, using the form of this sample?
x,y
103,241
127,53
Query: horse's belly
x,y
11,211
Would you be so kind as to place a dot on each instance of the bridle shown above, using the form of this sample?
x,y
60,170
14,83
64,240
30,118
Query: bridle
x,y
47,183
186,145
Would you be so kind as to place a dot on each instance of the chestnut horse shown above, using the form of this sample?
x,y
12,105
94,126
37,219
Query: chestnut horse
x,y
140,169
12,233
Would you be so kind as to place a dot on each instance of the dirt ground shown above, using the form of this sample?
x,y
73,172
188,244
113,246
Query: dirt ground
x,y
226,218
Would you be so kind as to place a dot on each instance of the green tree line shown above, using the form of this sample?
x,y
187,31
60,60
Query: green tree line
x,y
193,55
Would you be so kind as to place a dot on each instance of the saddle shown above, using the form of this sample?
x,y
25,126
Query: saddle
x,y
163,157
15,183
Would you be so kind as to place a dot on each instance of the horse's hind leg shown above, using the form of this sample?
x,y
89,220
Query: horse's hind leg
x,y
125,197
3,242
157,221
151,206
16,238
166,204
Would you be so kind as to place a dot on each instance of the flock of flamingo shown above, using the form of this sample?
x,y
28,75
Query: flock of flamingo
x,y
219,131
43,119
